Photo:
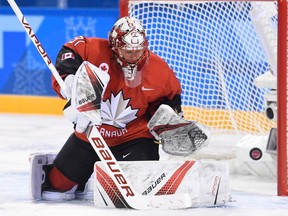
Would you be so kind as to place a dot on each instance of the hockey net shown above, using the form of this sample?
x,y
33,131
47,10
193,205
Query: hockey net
x,y
217,49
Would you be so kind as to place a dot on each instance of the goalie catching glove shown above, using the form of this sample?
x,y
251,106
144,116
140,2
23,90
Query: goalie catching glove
x,y
177,135
88,87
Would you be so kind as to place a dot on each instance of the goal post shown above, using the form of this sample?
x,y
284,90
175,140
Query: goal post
x,y
218,50
282,151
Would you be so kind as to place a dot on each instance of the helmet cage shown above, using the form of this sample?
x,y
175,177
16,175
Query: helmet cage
x,y
128,35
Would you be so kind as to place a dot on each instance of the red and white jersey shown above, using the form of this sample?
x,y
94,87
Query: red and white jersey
x,y
125,110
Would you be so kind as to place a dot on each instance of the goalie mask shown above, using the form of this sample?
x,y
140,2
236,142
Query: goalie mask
x,y
129,45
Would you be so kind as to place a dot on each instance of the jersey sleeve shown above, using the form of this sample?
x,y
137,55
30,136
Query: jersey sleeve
x,y
74,52
69,59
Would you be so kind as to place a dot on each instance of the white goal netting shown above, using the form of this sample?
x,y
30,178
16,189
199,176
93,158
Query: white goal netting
x,y
225,54
216,49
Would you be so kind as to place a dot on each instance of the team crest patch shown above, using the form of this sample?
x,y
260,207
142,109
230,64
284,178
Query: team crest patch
x,y
104,67
67,56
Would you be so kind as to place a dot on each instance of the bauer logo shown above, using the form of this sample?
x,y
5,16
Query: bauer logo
x,y
115,171
87,99
154,184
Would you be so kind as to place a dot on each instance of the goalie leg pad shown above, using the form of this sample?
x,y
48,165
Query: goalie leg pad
x,y
206,182
37,174
41,164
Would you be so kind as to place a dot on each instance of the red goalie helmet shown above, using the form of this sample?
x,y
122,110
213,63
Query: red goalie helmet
x,y
129,45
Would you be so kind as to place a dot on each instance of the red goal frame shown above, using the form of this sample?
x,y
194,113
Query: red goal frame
x,y
282,177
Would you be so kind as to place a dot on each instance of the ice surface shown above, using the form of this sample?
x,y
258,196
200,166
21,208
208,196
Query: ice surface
x,y
21,135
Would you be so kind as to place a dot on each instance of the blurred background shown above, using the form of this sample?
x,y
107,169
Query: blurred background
x,y
65,3
23,73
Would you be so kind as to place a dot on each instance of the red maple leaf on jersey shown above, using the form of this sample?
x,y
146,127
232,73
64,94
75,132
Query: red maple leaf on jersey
x,y
103,68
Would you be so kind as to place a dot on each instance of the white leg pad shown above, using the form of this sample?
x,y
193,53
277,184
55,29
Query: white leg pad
x,y
206,182
37,175
37,178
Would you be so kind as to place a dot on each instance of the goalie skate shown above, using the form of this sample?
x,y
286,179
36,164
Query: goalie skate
x,y
177,135
41,164
38,162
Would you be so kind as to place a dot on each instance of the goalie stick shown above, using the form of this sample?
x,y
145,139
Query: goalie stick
x,y
132,198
